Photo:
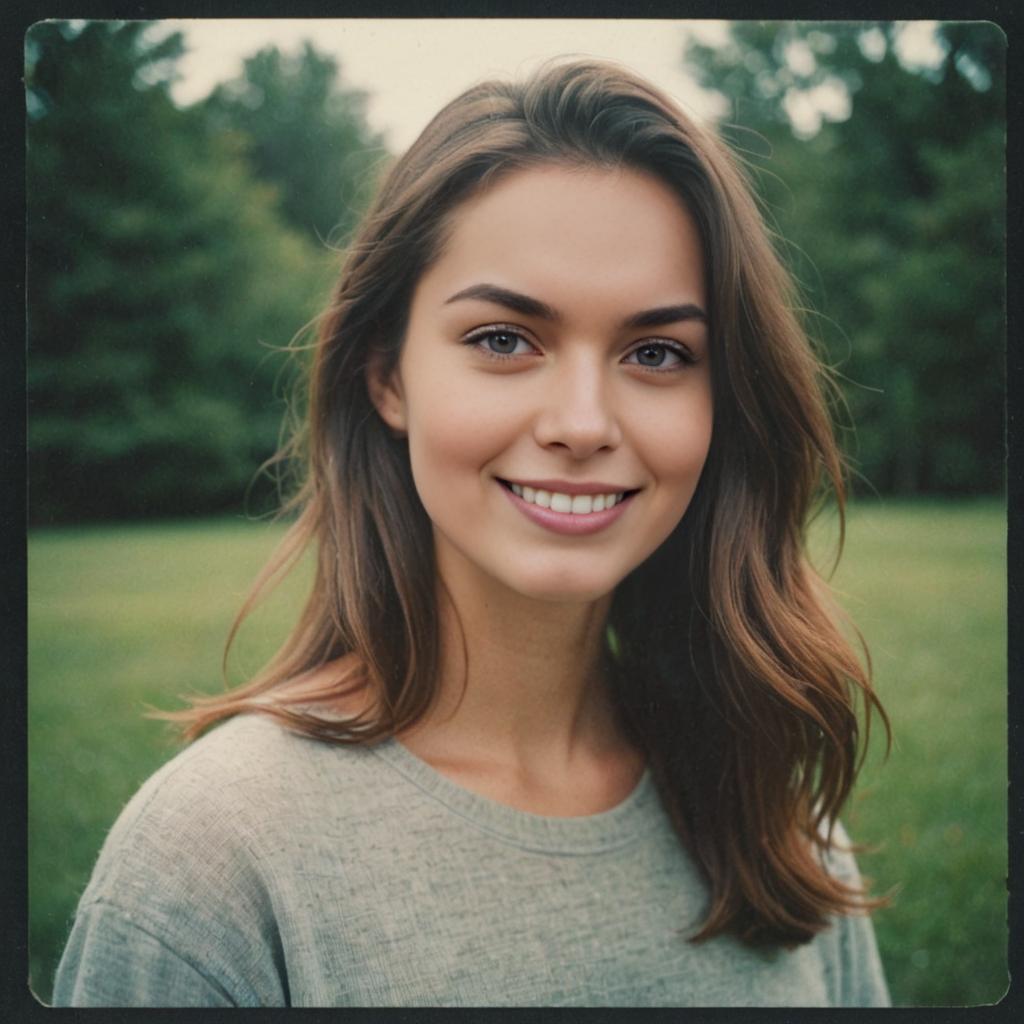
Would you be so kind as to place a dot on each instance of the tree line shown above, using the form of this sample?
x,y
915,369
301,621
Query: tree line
x,y
173,256
174,253
894,222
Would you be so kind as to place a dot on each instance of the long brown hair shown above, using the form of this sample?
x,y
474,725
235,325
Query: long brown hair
x,y
726,661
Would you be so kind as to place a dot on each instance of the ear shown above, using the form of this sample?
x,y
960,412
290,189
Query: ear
x,y
386,393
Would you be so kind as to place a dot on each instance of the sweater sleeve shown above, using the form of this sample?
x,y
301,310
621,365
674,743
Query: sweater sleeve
x,y
853,963
862,980
111,960
178,911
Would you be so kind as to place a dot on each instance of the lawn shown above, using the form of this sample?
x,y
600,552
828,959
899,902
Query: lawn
x,y
128,616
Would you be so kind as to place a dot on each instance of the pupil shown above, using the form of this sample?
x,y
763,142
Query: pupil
x,y
504,343
652,355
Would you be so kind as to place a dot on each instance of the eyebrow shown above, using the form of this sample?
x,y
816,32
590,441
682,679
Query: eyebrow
x,y
509,299
663,315
526,305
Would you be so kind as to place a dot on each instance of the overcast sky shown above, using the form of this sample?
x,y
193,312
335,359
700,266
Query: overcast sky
x,y
411,67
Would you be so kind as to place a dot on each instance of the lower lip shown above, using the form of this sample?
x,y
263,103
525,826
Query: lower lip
x,y
566,522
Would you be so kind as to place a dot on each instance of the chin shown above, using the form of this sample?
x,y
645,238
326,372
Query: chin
x,y
563,588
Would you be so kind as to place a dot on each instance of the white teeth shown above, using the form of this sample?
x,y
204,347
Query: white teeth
x,y
579,504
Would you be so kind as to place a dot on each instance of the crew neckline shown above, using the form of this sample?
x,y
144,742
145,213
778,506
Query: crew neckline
x,y
589,833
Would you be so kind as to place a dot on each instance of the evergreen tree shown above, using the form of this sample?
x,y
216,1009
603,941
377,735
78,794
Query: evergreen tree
x,y
896,219
158,275
303,133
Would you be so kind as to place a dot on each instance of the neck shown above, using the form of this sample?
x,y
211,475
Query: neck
x,y
520,684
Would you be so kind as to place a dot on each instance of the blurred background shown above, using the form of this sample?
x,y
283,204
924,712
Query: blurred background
x,y
191,186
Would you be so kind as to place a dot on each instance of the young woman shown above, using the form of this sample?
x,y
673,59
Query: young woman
x,y
566,719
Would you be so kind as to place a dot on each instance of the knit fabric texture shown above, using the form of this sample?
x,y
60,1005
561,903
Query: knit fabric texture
x,y
262,868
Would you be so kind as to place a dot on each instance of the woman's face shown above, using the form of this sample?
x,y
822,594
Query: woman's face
x,y
555,381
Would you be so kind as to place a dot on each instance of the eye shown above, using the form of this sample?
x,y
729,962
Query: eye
x,y
659,355
500,342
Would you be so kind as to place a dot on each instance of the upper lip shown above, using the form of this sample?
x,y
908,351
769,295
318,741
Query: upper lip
x,y
568,487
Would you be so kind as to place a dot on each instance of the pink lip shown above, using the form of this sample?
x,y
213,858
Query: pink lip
x,y
567,487
566,522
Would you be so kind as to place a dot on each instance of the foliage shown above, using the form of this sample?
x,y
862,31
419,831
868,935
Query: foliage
x,y
123,617
896,219
160,275
303,134
171,251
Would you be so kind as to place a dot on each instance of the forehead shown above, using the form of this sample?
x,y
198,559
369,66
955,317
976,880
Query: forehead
x,y
582,231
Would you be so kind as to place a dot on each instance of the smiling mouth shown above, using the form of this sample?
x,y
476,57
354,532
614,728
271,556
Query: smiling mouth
x,y
575,504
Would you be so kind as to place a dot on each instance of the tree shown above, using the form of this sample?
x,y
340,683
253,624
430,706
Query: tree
x,y
896,218
158,274
304,134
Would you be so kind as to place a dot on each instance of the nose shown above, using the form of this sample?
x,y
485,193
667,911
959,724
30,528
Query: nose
x,y
577,412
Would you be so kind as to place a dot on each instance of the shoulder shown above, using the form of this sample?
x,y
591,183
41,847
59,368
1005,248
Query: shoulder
x,y
212,809
239,761
838,856
182,907
849,950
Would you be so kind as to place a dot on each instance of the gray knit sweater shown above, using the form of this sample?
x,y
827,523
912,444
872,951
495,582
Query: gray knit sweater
x,y
260,868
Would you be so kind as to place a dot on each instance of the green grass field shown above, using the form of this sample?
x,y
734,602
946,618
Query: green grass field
x,y
121,617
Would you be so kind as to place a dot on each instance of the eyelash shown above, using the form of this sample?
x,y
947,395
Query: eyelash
x,y
478,339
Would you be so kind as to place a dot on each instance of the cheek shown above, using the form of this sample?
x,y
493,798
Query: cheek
x,y
674,439
452,438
